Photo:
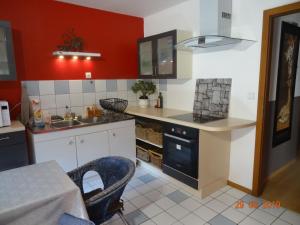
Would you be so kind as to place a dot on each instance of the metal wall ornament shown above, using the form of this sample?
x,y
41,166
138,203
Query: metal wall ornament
x,y
286,79
72,47
71,42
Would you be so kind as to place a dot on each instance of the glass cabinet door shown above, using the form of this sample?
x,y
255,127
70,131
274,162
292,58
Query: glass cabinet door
x,y
165,55
7,62
157,56
145,58
4,69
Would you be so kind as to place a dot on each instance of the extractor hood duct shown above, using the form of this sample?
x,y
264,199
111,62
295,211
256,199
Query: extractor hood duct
x,y
215,26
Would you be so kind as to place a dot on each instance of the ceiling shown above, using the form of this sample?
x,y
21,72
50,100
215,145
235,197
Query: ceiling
x,y
140,8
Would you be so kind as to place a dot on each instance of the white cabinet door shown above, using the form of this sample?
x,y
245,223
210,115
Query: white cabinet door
x,y
92,146
122,142
62,150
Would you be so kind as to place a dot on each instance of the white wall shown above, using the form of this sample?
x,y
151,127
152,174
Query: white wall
x,y
241,66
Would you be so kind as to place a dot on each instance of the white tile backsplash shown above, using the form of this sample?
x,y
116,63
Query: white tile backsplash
x,y
89,99
61,111
75,86
100,85
62,101
48,101
122,85
46,87
48,92
122,94
50,111
112,94
77,110
100,95
76,99
132,96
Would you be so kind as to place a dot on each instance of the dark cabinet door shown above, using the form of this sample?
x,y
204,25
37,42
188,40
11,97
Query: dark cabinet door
x,y
181,155
157,56
13,150
13,156
7,59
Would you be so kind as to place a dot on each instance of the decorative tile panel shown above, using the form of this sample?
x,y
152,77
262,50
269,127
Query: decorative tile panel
x,y
212,97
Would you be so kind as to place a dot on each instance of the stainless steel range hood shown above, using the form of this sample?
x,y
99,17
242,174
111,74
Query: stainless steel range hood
x,y
215,26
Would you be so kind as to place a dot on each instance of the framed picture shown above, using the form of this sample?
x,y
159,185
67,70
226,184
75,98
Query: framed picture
x,y
286,78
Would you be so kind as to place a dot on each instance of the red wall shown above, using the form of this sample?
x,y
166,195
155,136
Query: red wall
x,y
37,29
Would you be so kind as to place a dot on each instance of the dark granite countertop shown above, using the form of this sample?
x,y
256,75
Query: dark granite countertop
x,y
108,117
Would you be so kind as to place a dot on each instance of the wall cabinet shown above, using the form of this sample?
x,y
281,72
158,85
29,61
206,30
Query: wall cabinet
x,y
7,58
75,147
159,59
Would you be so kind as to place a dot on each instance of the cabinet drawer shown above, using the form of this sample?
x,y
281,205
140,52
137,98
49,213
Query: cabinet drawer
x,y
12,138
13,156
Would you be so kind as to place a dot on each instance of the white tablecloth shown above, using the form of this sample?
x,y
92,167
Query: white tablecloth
x,y
38,195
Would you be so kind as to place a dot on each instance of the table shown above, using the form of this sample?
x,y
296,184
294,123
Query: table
x,y
38,194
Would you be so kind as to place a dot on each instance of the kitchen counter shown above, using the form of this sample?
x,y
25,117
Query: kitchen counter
x,y
227,124
14,127
104,119
214,144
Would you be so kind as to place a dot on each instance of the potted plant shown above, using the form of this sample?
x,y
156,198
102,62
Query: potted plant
x,y
145,88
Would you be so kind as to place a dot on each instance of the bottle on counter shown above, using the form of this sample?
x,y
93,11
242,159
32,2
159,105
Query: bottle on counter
x,y
37,114
160,100
68,114
157,103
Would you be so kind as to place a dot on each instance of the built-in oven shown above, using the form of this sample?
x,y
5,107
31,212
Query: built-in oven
x,y
181,153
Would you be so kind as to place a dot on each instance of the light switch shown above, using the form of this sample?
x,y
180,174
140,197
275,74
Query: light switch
x,y
88,75
251,96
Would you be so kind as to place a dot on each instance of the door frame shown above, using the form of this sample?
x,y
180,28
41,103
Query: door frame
x,y
263,92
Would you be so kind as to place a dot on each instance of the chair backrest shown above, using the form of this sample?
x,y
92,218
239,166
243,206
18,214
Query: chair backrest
x,y
115,173
111,170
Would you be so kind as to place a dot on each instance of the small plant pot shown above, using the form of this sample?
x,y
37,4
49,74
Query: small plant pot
x,y
144,103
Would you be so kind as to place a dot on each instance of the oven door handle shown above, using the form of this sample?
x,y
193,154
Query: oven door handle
x,y
178,138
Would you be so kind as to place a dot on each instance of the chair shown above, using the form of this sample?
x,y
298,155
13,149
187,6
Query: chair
x,y
115,173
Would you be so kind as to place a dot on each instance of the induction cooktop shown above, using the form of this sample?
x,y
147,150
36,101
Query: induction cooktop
x,y
193,118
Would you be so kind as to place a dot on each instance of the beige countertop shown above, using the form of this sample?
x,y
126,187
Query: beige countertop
x,y
14,127
163,114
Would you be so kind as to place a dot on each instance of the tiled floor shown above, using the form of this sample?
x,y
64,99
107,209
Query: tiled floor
x,y
153,198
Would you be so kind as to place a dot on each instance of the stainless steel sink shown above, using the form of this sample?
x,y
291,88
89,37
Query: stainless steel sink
x,y
66,123
91,120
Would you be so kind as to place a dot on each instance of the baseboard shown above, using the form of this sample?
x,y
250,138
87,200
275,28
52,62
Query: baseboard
x,y
280,170
239,187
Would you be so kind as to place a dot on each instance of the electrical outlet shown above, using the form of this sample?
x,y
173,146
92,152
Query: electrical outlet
x,y
88,75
